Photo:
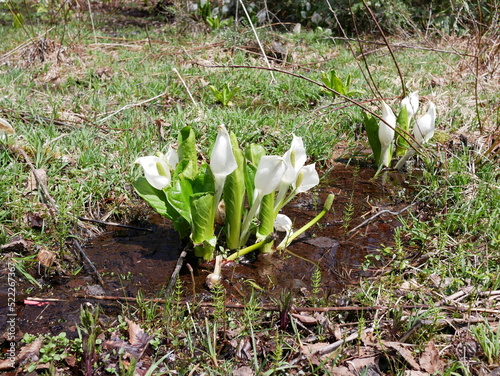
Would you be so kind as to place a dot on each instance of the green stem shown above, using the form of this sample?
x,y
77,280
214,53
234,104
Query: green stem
x,y
248,218
312,222
251,248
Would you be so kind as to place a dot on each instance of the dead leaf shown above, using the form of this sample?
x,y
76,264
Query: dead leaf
x,y
46,257
35,221
340,371
135,333
17,245
243,371
243,349
138,341
33,182
311,352
323,242
305,319
369,339
416,373
364,366
429,360
29,352
406,354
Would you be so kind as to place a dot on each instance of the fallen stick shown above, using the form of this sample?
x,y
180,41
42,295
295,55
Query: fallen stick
x,y
114,224
378,214
332,346
177,269
126,107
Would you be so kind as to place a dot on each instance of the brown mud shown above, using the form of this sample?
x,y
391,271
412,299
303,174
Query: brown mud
x,y
132,260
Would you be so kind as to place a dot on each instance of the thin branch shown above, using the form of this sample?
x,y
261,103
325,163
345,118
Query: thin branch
x,y
114,224
401,77
126,107
273,80
380,213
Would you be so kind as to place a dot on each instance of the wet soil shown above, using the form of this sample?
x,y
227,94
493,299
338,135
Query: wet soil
x,y
131,260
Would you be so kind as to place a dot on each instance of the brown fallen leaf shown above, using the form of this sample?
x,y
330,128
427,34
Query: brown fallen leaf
x,y
33,182
16,244
310,351
415,373
364,366
27,354
430,360
341,371
305,319
135,346
406,354
243,371
46,257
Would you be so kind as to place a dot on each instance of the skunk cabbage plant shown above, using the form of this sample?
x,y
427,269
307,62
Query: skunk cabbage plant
x,y
386,135
423,131
409,107
203,199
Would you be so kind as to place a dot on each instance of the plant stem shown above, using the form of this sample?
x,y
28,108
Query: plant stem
x,y
251,248
312,222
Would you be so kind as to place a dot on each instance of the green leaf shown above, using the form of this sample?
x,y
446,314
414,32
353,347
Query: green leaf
x,y
266,219
188,159
178,195
402,126
250,170
234,197
331,80
204,180
155,198
371,127
203,218
254,153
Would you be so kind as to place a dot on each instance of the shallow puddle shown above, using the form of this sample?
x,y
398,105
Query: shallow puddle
x,y
130,260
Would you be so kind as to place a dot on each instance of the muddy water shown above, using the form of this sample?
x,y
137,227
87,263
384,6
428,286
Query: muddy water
x,y
132,260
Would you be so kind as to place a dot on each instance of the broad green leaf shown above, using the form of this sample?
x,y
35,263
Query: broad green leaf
x,y
250,170
204,180
234,197
178,196
371,127
206,249
254,153
155,198
203,217
402,126
182,227
188,159
331,80
266,219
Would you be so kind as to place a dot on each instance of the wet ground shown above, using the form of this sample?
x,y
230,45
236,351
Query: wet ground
x,y
130,260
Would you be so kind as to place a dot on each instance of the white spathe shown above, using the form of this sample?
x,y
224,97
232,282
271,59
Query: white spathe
x,y
295,158
424,126
386,133
222,161
411,104
283,223
171,157
269,174
307,179
156,171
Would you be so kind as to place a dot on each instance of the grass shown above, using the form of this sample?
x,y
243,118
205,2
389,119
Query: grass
x,y
82,113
